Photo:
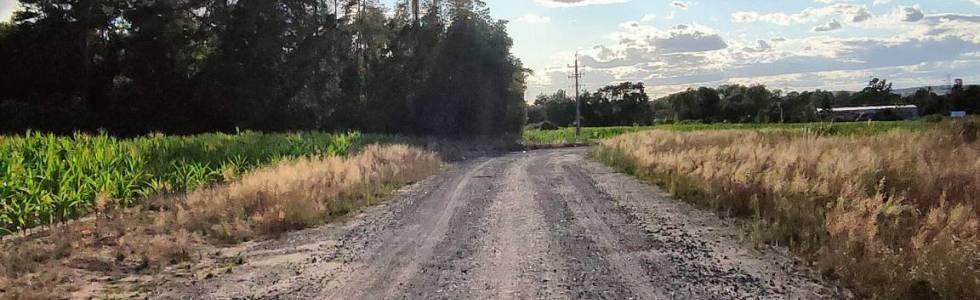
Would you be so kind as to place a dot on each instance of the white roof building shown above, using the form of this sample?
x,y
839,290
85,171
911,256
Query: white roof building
x,y
872,108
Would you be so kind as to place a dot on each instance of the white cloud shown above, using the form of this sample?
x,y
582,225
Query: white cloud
x,y
577,3
848,12
683,5
534,19
909,13
921,50
830,26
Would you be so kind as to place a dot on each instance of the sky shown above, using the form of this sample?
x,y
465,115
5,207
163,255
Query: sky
x,y
671,45
6,9
795,45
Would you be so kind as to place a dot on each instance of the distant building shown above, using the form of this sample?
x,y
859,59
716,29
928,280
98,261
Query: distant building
x,y
877,113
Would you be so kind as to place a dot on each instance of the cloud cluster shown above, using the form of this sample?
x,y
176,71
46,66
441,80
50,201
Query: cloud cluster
x,y
850,13
830,26
921,48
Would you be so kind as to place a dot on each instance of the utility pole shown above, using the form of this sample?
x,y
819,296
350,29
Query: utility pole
x,y
578,101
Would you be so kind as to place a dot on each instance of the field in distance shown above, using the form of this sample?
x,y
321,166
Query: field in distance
x,y
591,135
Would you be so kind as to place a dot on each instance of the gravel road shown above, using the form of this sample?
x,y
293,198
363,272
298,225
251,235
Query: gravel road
x,y
546,224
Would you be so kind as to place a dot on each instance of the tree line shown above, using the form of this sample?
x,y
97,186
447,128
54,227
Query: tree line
x,y
186,66
628,104
623,104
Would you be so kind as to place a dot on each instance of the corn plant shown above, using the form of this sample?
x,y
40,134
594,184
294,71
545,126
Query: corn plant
x,y
46,179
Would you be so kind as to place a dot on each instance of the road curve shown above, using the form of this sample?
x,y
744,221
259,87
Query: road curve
x,y
545,224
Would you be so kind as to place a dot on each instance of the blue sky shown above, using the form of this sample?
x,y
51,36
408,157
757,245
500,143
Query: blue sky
x,y
804,44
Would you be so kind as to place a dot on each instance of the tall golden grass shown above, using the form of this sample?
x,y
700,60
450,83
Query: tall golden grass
x,y
896,214
300,193
291,195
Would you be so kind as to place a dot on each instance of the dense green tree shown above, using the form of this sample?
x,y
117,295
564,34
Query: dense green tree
x,y
929,103
878,92
185,66
965,99
623,104
686,106
556,108
476,85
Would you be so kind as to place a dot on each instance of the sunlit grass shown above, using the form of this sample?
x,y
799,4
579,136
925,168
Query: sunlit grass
x,y
894,213
595,134
182,227
46,179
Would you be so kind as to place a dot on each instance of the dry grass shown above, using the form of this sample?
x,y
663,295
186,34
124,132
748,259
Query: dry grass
x,y
896,214
174,229
300,193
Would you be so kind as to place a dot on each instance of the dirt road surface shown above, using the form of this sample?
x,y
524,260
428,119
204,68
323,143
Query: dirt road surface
x,y
545,224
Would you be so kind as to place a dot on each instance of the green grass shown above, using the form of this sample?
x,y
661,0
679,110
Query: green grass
x,y
46,179
592,135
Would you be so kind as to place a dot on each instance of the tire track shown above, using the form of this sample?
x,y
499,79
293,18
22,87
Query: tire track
x,y
586,271
515,261
403,251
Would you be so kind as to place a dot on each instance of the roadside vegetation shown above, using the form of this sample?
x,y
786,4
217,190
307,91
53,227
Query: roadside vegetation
x,y
895,214
47,179
593,135
72,260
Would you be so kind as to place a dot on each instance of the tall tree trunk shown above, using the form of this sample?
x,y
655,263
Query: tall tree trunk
x,y
85,54
415,12
85,18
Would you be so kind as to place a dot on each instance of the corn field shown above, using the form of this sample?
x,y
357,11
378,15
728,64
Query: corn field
x,y
47,179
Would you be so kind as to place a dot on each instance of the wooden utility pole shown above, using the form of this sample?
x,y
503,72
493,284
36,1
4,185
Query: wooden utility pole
x,y
578,102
